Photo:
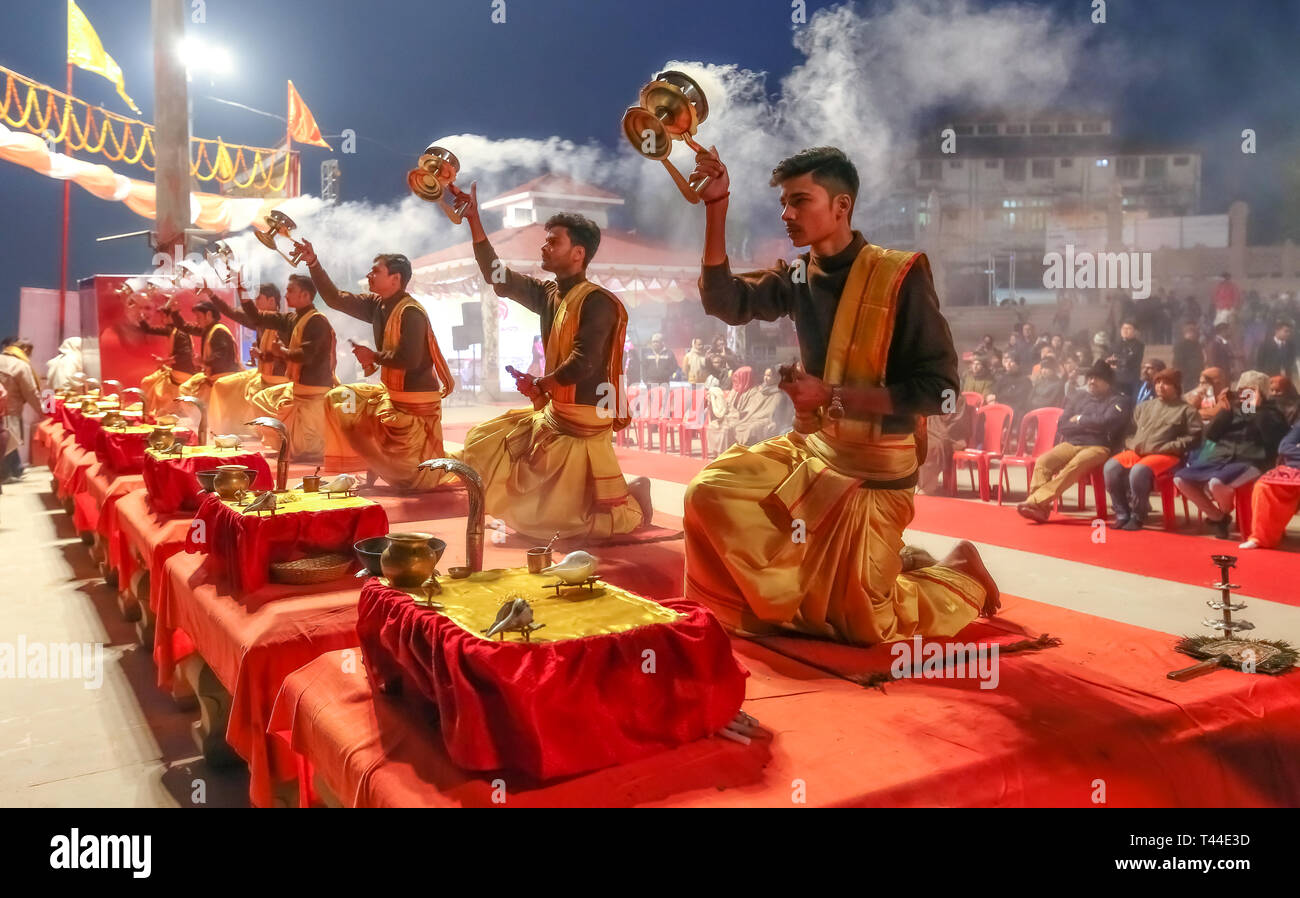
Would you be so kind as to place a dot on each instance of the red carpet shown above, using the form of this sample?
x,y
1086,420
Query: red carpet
x,y
1098,707
1183,557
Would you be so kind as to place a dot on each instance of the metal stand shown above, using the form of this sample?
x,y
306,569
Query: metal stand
x,y
1224,603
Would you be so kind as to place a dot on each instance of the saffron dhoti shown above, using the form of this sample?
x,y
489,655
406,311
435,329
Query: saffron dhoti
x,y
231,399
302,409
390,433
788,533
553,470
161,388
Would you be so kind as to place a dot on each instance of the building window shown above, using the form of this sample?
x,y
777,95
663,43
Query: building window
x,y
1040,128
987,129
1042,168
954,163
1067,163
1103,163
1182,160
990,163
1092,127
1127,166
1067,128
930,170
1015,129
962,130
1013,169
1155,166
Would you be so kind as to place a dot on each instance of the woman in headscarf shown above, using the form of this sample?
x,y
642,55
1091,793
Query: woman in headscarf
x,y
1207,397
61,368
725,411
1285,397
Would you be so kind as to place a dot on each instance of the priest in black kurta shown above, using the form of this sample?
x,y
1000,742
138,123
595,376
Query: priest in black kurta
x,y
551,468
805,531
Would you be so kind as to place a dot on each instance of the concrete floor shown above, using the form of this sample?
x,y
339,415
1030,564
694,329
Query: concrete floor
x,y
125,744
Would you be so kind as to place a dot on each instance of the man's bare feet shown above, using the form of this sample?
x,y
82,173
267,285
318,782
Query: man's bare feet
x,y
965,557
639,489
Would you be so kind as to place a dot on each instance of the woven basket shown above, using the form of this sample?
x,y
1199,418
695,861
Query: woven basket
x,y
313,569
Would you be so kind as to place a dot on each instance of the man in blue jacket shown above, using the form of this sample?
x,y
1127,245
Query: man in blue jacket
x,y
1091,425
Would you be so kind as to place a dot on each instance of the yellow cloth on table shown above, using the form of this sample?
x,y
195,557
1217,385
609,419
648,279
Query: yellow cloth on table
x,y
473,604
366,427
191,451
302,409
796,533
552,470
293,501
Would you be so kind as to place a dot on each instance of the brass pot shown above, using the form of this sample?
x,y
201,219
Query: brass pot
x,y
89,407
231,480
161,438
113,418
410,558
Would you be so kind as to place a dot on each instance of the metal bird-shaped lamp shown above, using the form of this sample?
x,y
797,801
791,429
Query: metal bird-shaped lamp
x,y
200,438
282,459
474,528
514,615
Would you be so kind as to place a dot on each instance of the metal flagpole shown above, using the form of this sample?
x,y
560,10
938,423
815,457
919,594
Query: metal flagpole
x,y
67,207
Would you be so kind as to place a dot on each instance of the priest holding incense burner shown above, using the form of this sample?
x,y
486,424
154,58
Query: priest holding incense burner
x,y
804,531
551,468
389,427
232,397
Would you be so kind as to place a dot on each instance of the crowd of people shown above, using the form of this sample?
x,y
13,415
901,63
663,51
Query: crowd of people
x,y
1132,415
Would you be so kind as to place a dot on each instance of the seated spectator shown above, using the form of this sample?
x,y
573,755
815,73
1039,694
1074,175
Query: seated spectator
x,y
1101,346
716,372
1073,377
695,361
1057,342
1278,355
1127,359
978,379
1277,495
750,415
729,357
658,364
1012,388
1163,430
1206,397
945,434
1188,354
1285,397
1147,387
1048,390
1092,423
1241,443
986,345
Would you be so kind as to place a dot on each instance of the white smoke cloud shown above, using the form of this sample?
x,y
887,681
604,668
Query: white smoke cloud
x,y
866,80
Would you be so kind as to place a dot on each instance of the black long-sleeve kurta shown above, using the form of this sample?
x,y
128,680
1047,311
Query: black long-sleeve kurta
x,y
315,353
411,354
249,315
922,362
219,355
182,349
587,366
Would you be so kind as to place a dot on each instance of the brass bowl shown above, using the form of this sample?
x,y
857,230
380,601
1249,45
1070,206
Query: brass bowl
x,y
369,551
231,480
410,558
206,480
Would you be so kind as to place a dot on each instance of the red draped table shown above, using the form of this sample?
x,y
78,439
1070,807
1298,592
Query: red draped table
x,y
612,677
171,479
246,544
123,448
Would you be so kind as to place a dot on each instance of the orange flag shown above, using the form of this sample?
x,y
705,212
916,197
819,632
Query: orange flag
x,y
302,124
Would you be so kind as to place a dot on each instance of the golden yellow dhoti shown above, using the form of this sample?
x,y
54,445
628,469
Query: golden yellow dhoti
x,y
552,470
367,427
302,409
776,533
231,399
161,388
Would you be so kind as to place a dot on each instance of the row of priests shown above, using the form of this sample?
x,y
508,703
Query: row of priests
x,y
801,532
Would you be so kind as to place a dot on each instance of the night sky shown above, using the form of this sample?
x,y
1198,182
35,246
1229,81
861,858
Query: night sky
x,y
400,72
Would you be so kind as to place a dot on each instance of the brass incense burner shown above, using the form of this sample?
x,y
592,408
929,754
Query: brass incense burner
x,y
671,107
280,225
435,171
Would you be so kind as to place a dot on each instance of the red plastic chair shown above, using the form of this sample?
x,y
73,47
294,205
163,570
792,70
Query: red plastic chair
x,y
1097,480
648,423
1169,497
635,410
695,423
1042,423
974,400
995,420
670,421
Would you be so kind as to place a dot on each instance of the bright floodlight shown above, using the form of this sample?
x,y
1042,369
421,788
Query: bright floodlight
x,y
202,57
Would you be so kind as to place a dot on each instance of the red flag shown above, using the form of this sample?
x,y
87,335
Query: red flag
x,y
302,124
